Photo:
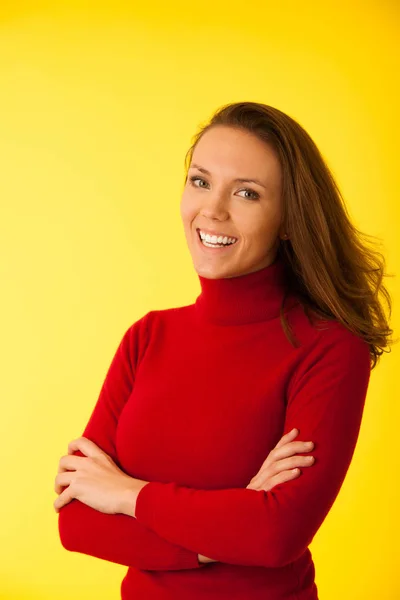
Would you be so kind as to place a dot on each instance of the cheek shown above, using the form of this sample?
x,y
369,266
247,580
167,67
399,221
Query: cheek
x,y
258,229
188,209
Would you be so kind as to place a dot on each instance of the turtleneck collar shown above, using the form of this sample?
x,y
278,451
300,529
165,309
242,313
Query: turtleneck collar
x,y
247,298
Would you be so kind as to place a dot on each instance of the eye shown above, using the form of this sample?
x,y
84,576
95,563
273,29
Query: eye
x,y
251,192
194,178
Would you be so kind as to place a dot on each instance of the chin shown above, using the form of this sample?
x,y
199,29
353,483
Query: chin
x,y
213,271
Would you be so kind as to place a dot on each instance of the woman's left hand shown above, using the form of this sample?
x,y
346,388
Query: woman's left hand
x,y
95,480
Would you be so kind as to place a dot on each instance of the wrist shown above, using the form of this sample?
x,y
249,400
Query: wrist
x,y
128,501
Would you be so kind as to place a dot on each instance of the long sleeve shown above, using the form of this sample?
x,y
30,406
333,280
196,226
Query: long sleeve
x,y
118,538
325,401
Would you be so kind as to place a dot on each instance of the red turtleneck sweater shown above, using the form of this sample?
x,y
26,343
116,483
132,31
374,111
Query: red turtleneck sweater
x,y
194,400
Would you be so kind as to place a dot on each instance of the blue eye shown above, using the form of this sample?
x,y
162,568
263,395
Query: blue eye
x,y
194,178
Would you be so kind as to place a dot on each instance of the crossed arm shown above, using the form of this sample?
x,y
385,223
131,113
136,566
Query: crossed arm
x,y
239,526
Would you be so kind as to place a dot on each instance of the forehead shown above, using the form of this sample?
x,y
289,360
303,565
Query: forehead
x,y
230,151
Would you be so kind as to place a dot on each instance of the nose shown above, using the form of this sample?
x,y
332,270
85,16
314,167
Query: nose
x,y
214,206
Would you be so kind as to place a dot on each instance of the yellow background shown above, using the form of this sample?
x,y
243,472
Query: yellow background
x,y
98,104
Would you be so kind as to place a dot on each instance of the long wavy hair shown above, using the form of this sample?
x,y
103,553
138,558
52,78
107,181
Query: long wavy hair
x,y
334,269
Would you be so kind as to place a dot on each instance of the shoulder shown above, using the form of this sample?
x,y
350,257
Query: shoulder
x,y
336,340
154,322
323,335
332,352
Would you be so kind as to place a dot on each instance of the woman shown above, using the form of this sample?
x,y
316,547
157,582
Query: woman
x,y
190,470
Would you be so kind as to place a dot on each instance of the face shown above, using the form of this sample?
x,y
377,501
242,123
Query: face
x,y
214,203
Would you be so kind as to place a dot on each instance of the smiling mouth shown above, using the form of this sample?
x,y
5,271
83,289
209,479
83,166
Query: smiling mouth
x,y
207,244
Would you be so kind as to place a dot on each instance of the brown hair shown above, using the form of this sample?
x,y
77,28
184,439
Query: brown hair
x,y
328,261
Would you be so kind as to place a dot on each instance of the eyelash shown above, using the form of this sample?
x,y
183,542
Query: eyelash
x,y
194,177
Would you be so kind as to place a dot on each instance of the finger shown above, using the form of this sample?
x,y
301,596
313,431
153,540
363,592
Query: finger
x,y
59,488
84,445
287,437
259,478
289,449
63,480
281,478
63,499
285,476
293,462
273,469
70,462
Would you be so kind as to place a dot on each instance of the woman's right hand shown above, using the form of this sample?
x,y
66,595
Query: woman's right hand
x,y
281,465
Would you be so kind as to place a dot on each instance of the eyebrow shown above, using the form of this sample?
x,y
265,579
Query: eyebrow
x,y
238,179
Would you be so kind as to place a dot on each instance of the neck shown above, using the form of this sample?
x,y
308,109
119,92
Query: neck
x,y
247,298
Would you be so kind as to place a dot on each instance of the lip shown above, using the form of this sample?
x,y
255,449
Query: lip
x,y
208,249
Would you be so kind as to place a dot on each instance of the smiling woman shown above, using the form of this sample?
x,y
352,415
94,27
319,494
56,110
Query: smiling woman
x,y
252,216
197,411
330,265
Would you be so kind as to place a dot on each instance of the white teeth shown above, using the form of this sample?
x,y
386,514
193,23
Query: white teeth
x,y
214,239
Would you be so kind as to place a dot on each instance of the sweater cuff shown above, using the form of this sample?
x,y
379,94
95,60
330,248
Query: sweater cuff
x,y
187,559
144,511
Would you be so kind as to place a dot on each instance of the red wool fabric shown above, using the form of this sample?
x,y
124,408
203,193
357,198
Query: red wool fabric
x,y
194,400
